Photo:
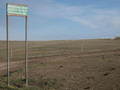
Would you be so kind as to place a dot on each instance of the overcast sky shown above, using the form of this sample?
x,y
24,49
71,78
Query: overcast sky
x,y
64,19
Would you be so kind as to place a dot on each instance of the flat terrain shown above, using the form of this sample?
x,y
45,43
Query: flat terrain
x,y
63,65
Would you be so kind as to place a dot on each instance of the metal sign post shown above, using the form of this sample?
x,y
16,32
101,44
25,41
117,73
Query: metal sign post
x,y
7,37
26,52
17,10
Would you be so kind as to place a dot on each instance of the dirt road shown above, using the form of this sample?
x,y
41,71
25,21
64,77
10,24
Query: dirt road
x,y
16,64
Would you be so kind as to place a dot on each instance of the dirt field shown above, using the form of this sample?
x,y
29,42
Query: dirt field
x,y
63,65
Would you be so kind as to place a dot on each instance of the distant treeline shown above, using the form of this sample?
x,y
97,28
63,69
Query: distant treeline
x,y
117,38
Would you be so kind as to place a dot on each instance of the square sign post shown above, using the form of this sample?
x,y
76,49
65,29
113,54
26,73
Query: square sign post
x,y
17,10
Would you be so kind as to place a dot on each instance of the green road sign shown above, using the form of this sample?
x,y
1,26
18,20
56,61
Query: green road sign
x,y
17,10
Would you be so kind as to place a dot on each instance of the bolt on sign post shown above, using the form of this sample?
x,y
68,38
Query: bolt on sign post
x,y
16,10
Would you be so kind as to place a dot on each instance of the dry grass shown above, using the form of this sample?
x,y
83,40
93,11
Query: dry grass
x,y
65,65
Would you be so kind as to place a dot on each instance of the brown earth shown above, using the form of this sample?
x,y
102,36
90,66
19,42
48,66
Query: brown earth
x,y
97,67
